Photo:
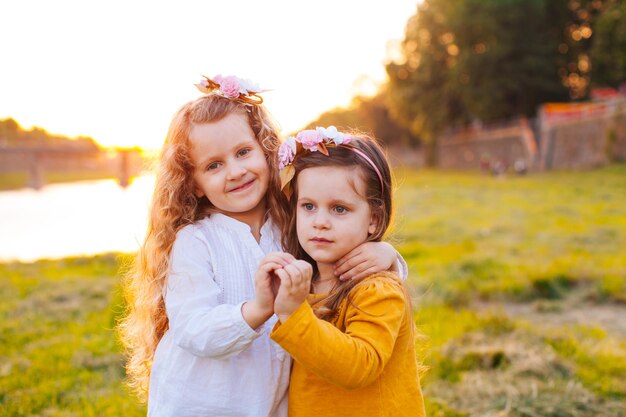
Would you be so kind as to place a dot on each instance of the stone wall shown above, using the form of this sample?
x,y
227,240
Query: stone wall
x,y
617,138
580,142
575,144
406,156
586,142
486,148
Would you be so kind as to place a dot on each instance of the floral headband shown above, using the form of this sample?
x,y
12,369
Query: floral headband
x,y
313,141
233,88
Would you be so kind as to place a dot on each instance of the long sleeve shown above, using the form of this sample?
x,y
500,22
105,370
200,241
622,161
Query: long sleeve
x,y
402,267
198,322
357,356
209,361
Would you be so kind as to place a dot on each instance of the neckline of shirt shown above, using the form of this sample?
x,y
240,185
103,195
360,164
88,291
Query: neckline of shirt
x,y
241,227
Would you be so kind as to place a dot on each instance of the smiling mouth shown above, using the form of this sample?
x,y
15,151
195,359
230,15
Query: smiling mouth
x,y
242,187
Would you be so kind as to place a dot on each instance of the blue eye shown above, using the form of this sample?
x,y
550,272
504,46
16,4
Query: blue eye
x,y
308,206
212,166
341,210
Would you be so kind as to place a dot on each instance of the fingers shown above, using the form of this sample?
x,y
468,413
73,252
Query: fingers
x,y
281,258
263,275
297,281
285,257
365,273
347,261
356,265
305,268
285,280
273,261
268,267
300,270
295,276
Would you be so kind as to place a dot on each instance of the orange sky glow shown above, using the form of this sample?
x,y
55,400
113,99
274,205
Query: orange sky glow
x,y
118,70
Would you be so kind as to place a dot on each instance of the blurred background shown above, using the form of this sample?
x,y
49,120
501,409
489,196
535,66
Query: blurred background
x,y
505,122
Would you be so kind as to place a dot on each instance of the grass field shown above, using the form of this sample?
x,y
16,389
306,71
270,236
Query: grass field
x,y
519,288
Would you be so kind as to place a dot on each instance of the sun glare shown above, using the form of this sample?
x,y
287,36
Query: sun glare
x,y
118,71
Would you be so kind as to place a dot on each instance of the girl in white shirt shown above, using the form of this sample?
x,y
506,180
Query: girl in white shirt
x,y
196,329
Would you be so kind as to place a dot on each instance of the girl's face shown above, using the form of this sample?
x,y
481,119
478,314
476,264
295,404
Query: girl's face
x,y
230,167
332,214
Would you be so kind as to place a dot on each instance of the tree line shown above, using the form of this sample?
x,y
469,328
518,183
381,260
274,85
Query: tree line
x,y
463,61
12,135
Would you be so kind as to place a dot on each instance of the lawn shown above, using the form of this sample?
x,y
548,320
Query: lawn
x,y
519,288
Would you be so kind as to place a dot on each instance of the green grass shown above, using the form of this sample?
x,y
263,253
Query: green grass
x,y
469,235
599,360
552,242
500,270
58,351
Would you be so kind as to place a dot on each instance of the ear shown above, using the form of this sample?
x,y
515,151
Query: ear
x,y
197,191
373,224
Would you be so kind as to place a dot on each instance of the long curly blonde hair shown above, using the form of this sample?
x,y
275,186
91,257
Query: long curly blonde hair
x,y
175,205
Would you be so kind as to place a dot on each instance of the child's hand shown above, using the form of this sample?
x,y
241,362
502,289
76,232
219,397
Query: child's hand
x,y
295,285
257,311
265,291
366,259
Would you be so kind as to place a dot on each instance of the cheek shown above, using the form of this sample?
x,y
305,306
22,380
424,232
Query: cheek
x,y
299,224
301,228
213,185
261,165
262,171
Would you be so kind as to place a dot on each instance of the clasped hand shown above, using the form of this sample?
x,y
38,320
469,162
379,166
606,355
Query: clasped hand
x,y
282,283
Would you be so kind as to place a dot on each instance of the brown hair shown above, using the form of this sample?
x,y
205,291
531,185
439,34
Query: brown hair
x,y
175,205
378,196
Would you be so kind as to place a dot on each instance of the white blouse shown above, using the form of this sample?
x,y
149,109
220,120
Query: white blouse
x,y
210,362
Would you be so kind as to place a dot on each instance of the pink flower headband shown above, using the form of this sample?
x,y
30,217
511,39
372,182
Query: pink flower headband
x,y
313,141
233,88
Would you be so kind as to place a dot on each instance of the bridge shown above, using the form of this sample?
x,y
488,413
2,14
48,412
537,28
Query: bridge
x,y
122,163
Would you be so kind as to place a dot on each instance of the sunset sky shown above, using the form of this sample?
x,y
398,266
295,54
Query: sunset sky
x,y
118,70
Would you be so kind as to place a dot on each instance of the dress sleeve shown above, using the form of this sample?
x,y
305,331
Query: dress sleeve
x,y
354,358
198,322
402,267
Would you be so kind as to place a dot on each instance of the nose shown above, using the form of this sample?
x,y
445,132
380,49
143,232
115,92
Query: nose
x,y
320,221
236,171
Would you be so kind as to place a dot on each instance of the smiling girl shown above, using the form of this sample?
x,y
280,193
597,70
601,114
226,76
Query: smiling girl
x,y
196,329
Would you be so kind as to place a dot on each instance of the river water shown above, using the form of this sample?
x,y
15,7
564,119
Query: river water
x,y
81,218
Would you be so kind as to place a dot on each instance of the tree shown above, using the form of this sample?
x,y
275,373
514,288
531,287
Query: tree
x,y
371,115
420,92
12,134
608,51
505,62
489,60
575,20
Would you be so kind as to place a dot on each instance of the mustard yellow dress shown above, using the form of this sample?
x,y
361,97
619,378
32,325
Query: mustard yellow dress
x,y
362,363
